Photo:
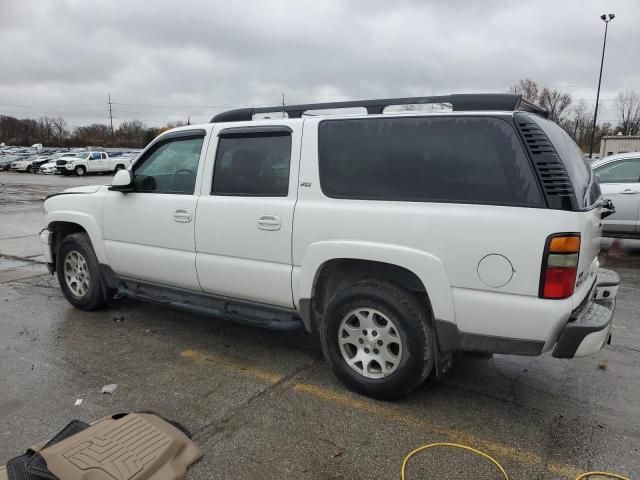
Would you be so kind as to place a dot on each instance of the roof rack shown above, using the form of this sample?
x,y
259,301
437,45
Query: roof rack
x,y
459,102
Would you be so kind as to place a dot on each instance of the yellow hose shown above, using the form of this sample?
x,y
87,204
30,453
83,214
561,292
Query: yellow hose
x,y
582,476
453,445
601,474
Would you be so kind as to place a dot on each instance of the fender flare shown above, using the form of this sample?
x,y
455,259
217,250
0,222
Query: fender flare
x,y
427,267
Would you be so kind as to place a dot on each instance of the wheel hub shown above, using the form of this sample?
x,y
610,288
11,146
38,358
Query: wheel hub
x,y
76,273
369,343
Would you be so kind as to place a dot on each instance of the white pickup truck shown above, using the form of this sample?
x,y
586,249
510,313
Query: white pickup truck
x,y
91,162
401,238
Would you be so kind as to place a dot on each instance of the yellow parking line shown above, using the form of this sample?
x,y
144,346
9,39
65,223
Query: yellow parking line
x,y
388,413
232,365
454,435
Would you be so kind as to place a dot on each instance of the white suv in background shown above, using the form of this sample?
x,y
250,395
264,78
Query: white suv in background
x,y
401,238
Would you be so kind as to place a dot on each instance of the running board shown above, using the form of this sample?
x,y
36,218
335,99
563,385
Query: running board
x,y
245,313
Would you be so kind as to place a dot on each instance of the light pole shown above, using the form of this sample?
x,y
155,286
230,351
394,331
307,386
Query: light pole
x,y
606,21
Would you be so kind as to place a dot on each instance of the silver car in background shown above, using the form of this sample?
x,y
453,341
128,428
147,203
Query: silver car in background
x,y
619,177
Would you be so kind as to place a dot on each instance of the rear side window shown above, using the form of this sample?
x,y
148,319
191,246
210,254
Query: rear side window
x,y
585,188
256,166
426,159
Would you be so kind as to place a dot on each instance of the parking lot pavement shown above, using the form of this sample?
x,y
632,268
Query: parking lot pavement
x,y
21,197
265,405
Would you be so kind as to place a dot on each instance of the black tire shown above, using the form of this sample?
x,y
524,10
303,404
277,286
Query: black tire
x,y
413,322
80,171
29,169
94,298
118,168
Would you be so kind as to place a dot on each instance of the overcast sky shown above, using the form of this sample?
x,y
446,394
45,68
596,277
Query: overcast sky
x,y
165,60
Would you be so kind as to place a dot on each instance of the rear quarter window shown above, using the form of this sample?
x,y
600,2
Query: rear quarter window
x,y
586,189
453,159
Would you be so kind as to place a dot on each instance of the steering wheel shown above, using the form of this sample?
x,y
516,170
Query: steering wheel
x,y
183,172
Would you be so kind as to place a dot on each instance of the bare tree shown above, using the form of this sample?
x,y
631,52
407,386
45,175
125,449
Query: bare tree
x,y
580,121
60,131
628,105
528,89
131,134
556,103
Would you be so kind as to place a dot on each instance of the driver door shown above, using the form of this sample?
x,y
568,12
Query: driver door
x,y
149,233
96,162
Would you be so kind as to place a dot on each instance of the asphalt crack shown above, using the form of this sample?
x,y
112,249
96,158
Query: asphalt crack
x,y
227,425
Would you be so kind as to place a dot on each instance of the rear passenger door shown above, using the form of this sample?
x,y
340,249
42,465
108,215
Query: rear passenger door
x,y
244,215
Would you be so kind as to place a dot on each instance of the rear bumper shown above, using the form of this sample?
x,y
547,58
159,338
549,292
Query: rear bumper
x,y
589,328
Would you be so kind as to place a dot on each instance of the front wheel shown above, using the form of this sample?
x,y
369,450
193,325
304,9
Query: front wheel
x,y
377,339
79,274
80,170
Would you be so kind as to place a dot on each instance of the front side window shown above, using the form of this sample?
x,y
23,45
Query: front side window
x,y
169,167
94,156
623,171
256,166
426,159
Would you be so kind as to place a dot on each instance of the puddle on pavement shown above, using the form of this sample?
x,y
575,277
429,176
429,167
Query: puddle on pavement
x,y
7,264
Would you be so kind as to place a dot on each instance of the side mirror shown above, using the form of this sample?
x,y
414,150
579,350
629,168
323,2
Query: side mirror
x,y
607,208
122,181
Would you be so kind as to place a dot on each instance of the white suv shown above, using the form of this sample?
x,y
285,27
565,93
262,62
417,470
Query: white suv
x,y
401,238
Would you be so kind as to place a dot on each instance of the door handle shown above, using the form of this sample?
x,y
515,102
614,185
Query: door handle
x,y
182,216
629,191
269,222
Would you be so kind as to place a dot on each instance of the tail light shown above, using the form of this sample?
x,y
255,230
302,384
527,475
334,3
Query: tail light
x,y
560,265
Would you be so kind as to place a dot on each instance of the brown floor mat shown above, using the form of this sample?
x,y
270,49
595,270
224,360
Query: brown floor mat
x,y
135,446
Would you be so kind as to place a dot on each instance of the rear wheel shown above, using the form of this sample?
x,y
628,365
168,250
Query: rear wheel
x,y
118,168
377,339
79,274
80,170
29,169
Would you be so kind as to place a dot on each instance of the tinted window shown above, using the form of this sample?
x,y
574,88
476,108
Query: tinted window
x,y
623,171
586,190
253,166
440,159
94,156
169,167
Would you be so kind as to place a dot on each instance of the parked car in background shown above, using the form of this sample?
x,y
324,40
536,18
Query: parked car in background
x,y
30,164
619,177
91,162
49,168
6,161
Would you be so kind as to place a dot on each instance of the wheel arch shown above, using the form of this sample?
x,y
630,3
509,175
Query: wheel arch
x,y
350,261
61,226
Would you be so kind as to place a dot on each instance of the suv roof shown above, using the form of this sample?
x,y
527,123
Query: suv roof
x,y
458,102
618,156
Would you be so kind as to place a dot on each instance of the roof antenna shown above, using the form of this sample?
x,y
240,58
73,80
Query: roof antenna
x,y
282,104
